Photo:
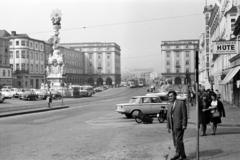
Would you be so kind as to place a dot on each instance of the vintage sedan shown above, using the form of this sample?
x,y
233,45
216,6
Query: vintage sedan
x,y
148,105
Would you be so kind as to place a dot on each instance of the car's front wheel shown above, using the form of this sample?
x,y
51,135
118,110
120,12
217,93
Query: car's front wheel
x,y
137,115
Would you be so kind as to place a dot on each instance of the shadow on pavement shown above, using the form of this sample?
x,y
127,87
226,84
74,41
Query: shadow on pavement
x,y
226,131
206,153
229,125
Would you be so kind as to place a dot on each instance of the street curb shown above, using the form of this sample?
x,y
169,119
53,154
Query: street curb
x,y
14,113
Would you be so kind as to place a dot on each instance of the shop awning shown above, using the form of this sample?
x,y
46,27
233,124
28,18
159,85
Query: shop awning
x,y
230,75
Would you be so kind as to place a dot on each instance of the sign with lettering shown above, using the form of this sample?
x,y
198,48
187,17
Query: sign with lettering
x,y
224,47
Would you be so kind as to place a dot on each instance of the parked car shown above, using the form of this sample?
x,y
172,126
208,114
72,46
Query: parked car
x,y
56,94
148,105
162,95
6,93
41,93
98,89
89,89
78,91
2,98
19,92
14,92
29,95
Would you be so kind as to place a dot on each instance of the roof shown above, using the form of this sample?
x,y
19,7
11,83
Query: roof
x,y
4,33
233,9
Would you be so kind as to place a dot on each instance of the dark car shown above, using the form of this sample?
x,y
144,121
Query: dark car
x,y
29,95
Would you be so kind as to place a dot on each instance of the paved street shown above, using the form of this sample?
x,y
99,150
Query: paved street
x,y
92,130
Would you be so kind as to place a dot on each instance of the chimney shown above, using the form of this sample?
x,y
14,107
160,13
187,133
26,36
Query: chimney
x,y
13,33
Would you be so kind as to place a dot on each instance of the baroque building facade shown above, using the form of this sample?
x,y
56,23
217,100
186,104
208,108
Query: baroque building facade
x,y
179,61
27,59
102,62
5,69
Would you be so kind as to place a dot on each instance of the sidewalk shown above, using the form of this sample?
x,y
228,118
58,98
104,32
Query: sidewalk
x,y
225,145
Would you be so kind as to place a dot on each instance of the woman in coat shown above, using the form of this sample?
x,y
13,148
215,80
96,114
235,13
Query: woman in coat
x,y
204,113
217,111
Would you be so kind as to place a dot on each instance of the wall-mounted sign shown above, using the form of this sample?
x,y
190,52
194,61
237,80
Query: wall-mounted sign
x,y
224,47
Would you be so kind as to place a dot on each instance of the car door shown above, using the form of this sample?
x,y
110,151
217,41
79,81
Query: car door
x,y
155,105
146,105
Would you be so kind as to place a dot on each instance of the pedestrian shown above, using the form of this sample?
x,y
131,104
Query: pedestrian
x,y
217,111
176,124
49,100
204,113
218,94
191,97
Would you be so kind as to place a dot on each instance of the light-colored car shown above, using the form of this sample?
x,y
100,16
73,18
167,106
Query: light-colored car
x,y
41,93
6,93
19,92
2,98
89,89
148,105
163,96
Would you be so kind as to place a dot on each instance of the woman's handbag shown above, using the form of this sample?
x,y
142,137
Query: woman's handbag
x,y
215,113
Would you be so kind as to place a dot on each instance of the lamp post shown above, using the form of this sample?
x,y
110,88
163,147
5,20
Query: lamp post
x,y
197,102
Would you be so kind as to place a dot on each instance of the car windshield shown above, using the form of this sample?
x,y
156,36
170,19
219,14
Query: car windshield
x,y
135,100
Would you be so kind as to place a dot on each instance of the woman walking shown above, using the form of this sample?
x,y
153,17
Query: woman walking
x,y
217,111
204,113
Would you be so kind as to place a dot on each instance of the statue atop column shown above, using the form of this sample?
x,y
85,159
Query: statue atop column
x,y
55,60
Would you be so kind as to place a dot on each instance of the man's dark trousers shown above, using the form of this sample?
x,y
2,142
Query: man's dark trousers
x,y
177,135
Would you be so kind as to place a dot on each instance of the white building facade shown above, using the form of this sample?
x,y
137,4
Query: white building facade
x,y
179,60
102,61
27,58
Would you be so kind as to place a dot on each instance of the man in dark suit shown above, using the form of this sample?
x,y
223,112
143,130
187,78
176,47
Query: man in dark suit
x,y
177,123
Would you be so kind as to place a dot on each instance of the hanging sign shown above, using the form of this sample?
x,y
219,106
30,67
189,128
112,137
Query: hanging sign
x,y
224,47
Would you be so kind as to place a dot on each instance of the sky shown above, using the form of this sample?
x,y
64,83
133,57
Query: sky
x,y
138,26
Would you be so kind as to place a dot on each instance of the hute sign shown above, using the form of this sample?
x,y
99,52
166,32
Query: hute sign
x,y
225,47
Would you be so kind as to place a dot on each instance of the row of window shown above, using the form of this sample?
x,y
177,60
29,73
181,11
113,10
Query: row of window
x,y
6,73
26,54
177,70
4,60
98,49
187,62
99,55
30,44
168,54
179,47
32,67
